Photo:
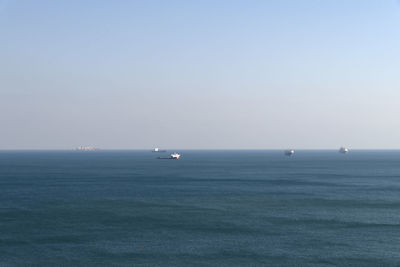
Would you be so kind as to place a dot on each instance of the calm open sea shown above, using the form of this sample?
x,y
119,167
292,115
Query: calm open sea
x,y
211,208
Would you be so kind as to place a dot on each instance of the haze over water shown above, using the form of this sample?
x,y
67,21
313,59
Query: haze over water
x,y
199,74
210,208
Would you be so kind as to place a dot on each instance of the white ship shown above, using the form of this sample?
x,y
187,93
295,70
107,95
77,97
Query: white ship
x,y
172,156
158,150
289,152
175,156
343,150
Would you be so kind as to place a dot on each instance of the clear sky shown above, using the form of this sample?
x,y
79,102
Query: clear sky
x,y
200,74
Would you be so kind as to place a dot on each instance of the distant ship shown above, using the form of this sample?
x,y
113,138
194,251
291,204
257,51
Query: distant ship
x,y
175,155
289,152
158,150
343,150
87,148
172,156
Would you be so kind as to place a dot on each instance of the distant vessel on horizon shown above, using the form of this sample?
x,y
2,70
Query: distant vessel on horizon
x,y
172,156
87,148
289,152
175,155
158,150
343,150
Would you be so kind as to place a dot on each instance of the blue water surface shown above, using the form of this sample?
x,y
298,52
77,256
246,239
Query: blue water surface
x,y
210,208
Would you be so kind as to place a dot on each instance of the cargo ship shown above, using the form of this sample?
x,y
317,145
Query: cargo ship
x,y
289,152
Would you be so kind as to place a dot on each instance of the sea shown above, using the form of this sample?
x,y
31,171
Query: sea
x,y
209,208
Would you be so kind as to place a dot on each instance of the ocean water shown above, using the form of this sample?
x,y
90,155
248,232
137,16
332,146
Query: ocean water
x,y
211,208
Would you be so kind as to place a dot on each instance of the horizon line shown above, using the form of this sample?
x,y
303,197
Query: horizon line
x,y
166,149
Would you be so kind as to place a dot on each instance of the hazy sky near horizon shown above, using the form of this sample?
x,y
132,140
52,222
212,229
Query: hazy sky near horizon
x,y
199,74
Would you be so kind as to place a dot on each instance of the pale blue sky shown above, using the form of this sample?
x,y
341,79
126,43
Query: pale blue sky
x,y
200,74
